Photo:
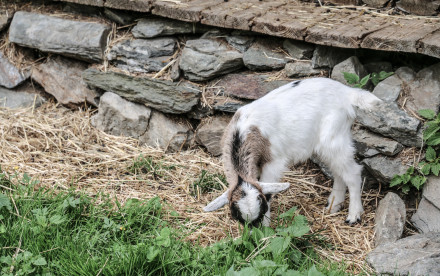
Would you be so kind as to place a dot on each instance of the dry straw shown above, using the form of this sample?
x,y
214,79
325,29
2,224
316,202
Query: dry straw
x,y
61,149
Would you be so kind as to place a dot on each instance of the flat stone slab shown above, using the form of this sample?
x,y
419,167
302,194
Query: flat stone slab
x,y
384,168
154,27
414,255
21,97
82,40
162,95
61,77
247,86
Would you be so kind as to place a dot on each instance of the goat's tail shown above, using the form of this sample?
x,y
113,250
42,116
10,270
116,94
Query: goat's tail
x,y
363,99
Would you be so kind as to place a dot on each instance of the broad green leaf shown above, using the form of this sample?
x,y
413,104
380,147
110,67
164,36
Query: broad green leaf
x,y
375,78
2,229
6,260
418,181
383,75
257,234
164,238
406,178
364,80
299,227
56,219
405,189
40,261
434,140
278,245
397,179
290,213
430,131
430,154
435,168
426,168
410,170
427,113
152,253
5,202
351,78
314,272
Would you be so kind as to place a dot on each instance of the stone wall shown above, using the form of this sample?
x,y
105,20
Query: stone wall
x,y
176,85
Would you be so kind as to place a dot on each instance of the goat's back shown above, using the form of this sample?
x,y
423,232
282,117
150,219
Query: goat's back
x,y
299,117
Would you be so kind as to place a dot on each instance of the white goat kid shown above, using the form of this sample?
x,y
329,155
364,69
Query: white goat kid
x,y
285,127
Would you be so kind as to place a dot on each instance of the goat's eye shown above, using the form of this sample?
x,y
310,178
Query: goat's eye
x,y
243,193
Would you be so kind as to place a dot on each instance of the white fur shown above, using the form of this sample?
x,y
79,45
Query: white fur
x,y
249,207
312,117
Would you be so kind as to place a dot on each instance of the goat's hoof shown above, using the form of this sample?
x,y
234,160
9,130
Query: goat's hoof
x,y
353,222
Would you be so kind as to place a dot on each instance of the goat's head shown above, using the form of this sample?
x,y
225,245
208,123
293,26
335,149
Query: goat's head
x,y
248,202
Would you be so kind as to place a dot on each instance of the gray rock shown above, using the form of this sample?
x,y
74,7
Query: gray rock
x,y
247,86
61,77
389,89
118,116
87,10
11,76
210,132
390,219
204,59
175,70
369,144
82,40
121,17
142,55
376,3
424,91
153,27
261,56
431,191
229,107
427,217
414,255
389,120
378,66
406,74
167,133
350,65
21,97
165,96
240,42
384,168
328,57
299,69
299,49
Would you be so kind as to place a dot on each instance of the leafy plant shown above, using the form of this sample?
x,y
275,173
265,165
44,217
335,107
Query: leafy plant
x,y
208,182
355,81
415,176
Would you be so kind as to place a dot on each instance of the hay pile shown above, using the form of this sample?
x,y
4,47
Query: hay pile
x,y
61,149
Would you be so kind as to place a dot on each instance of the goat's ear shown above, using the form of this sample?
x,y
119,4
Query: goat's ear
x,y
273,188
217,203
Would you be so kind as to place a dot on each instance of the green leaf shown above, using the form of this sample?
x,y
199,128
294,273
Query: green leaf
x,y
405,189
406,178
364,80
375,78
164,238
426,168
410,170
383,75
6,260
397,179
351,78
430,154
430,131
435,168
314,272
418,181
2,229
289,214
434,140
56,219
427,113
300,226
278,245
5,202
152,253
40,261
